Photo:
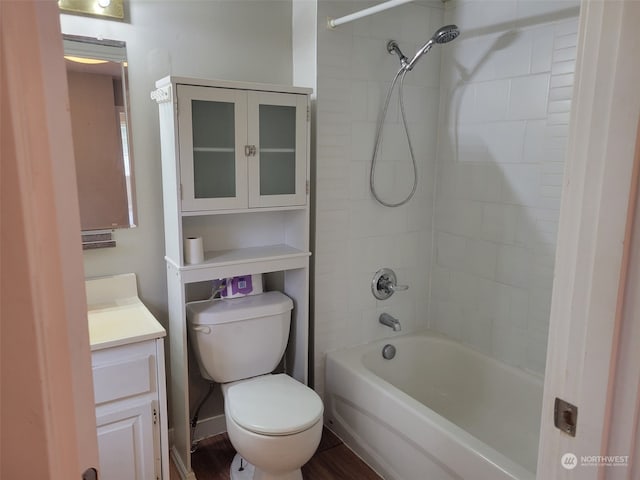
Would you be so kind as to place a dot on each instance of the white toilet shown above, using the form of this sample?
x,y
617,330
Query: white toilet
x,y
273,421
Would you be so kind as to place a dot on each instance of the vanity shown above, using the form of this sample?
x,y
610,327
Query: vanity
x,y
127,357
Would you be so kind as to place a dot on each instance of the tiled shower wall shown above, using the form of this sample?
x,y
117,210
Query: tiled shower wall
x,y
506,88
354,235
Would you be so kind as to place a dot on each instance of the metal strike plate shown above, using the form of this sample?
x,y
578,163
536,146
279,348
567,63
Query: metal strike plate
x,y
565,416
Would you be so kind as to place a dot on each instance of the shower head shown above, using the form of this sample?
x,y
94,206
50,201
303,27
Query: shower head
x,y
442,35
446,34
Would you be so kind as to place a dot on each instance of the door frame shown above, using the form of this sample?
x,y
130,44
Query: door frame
x,y
596,216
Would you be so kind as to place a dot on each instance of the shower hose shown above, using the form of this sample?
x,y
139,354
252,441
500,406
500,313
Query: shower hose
x,y
401,74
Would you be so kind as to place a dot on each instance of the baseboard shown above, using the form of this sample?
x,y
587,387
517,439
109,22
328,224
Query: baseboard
x,y
180,467
207,427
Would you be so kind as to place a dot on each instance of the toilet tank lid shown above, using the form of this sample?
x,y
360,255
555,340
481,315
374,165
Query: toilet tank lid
x,y
273,405
218,311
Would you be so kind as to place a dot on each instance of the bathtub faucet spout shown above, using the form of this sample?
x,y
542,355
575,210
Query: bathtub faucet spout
x,y
390,322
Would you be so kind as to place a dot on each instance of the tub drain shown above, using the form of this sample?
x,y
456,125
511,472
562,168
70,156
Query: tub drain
x,y
388,351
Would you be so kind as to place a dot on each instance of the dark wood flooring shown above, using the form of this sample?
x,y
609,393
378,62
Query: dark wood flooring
x,y
332,461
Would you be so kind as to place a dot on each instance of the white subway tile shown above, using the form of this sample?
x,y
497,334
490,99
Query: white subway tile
x,y
514,266
565,54
559,68
358,100
515,58
362,140
564,80
521,184
492,99
568,26
450,250
447,318
532,8
542,49
559,106
458,217
566,41
529,97
376,96
481,257
558,119
440,283
477,332
499,222
561,93
416,24
505,141
509,345
480,182
334,292
535,141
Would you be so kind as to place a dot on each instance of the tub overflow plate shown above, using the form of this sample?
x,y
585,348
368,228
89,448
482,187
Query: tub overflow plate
x,y
388,351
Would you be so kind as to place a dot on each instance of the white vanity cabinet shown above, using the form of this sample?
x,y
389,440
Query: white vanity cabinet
x,y
241,148
128,410
127,359
235,171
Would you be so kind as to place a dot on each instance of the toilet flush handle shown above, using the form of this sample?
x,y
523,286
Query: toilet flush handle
x,y
201,329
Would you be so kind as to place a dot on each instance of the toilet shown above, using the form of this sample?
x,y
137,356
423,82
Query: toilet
x,y
274,422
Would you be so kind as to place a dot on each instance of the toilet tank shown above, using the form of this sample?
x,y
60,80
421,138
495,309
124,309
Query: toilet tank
x,y
239,338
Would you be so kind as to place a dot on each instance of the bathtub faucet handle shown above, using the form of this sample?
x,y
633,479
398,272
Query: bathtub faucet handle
x,y
399,288
384,284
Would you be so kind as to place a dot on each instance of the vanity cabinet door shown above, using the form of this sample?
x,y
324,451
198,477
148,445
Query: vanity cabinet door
x,y
212,128
126,443
278,164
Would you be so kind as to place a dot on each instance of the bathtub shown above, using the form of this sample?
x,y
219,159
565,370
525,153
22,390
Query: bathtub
x,y
437,411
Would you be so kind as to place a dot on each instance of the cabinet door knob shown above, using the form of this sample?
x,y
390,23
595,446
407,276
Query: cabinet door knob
x,y
247,150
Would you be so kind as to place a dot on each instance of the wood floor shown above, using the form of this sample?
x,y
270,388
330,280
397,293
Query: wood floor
x,y
332,461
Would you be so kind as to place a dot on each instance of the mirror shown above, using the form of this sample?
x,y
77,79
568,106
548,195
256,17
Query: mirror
x,y
99,104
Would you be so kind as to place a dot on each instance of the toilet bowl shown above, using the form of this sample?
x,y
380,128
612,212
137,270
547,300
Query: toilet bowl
x,y
273,421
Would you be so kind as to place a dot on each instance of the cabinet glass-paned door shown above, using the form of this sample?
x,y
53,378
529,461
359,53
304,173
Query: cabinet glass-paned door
x,y
212,126
278,129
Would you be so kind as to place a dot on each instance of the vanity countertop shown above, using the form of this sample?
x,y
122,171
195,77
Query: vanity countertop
x,y
128,321
116,315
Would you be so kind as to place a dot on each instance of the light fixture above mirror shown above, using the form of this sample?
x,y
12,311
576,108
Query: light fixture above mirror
x,y
101,8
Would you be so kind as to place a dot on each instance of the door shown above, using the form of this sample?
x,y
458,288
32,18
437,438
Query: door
x,y
126,443
212,129
45,357
278,164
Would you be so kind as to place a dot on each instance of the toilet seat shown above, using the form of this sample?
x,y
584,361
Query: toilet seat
x,y
273,405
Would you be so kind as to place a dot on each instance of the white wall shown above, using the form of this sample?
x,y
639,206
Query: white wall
x,y
506,91
233,40
354,235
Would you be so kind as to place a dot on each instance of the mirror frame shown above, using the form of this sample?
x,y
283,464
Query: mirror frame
x,y
113,51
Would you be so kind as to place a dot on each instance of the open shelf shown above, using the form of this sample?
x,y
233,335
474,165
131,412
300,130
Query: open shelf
x,y
243,261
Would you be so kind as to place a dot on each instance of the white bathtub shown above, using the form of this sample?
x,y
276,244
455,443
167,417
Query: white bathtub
x,y
437,411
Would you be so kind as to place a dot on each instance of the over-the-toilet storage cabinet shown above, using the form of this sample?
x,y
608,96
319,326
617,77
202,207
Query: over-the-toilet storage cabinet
x,y
235,170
